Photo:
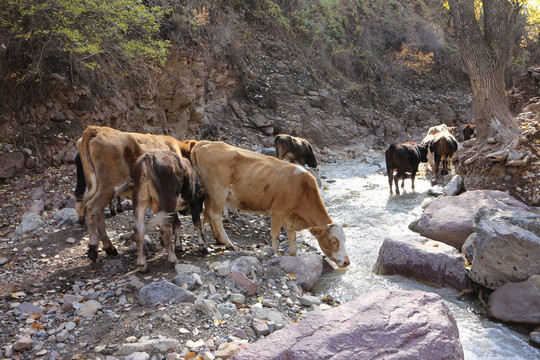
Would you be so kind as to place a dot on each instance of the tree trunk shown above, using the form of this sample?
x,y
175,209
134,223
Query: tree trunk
x,y
484,55
486,161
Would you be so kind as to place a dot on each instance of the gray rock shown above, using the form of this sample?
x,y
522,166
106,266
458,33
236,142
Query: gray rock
x,y
65,213
10,163
424,259
160,346
227,308
164,291
187,269
534,338
309,300
517,302
450,219
89,309
237,298
208,307
29,308
307,269
62,335
223,268
138,356
270,315
186,279
245,264
29,223
506,247
421,326
454,186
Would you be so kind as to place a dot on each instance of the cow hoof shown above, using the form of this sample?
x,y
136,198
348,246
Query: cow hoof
x,y
111,251
142,269
203,249
92,252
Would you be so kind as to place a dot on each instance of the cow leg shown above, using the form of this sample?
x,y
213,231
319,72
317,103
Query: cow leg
x,y
166,235
138,234
391,179
444,166
396,180
291,234
217,227
275,230
96,227
177,225
413,175
196,219
437,163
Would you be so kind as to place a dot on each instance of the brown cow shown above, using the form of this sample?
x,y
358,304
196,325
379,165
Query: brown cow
x,y
404,158
165,182
295,149
107,156
261,184
443,146
468,131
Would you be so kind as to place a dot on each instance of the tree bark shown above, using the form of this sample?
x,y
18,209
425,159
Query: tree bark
x,y
484,52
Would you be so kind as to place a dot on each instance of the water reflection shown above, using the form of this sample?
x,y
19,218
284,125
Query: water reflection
x,y
356,192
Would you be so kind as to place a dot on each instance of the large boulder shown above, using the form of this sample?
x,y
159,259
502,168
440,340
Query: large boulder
x,y
517,302
450,219
505,247
389,324
421,258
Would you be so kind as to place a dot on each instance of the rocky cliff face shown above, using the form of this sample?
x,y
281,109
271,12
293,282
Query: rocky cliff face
x,y
200,97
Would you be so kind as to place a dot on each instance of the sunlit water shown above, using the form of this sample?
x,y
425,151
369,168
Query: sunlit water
x,y
357,193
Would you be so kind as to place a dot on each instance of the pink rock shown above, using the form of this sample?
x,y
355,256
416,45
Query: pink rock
x,y
24,343
420,258
517,302
306,268
66,307
243,283
386,324
450,219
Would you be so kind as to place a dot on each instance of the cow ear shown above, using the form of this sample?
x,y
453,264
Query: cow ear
x,y
201,192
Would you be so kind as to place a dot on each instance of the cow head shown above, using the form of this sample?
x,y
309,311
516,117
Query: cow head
x,y
423,150
331,239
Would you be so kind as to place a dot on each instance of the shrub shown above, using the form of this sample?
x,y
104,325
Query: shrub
x,y
66,36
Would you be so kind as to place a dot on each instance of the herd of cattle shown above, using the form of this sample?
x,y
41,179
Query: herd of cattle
x,y
437,147
205,177
168,175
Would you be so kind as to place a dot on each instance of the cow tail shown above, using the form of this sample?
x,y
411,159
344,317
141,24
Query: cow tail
x,y
388,157
160,218
83,145
197,171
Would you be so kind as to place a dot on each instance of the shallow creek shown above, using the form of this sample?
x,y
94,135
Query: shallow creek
x,y
356,192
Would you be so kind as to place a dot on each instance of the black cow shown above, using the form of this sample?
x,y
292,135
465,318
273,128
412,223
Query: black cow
x,y
443,146
165,182
404,158
468,131
295,149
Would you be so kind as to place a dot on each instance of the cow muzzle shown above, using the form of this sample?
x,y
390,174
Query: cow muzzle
x,y
342,263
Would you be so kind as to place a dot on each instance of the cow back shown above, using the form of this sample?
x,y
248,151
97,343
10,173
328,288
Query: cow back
x,y
254,182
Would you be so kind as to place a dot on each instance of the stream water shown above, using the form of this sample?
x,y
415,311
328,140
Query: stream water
x,y
356,192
